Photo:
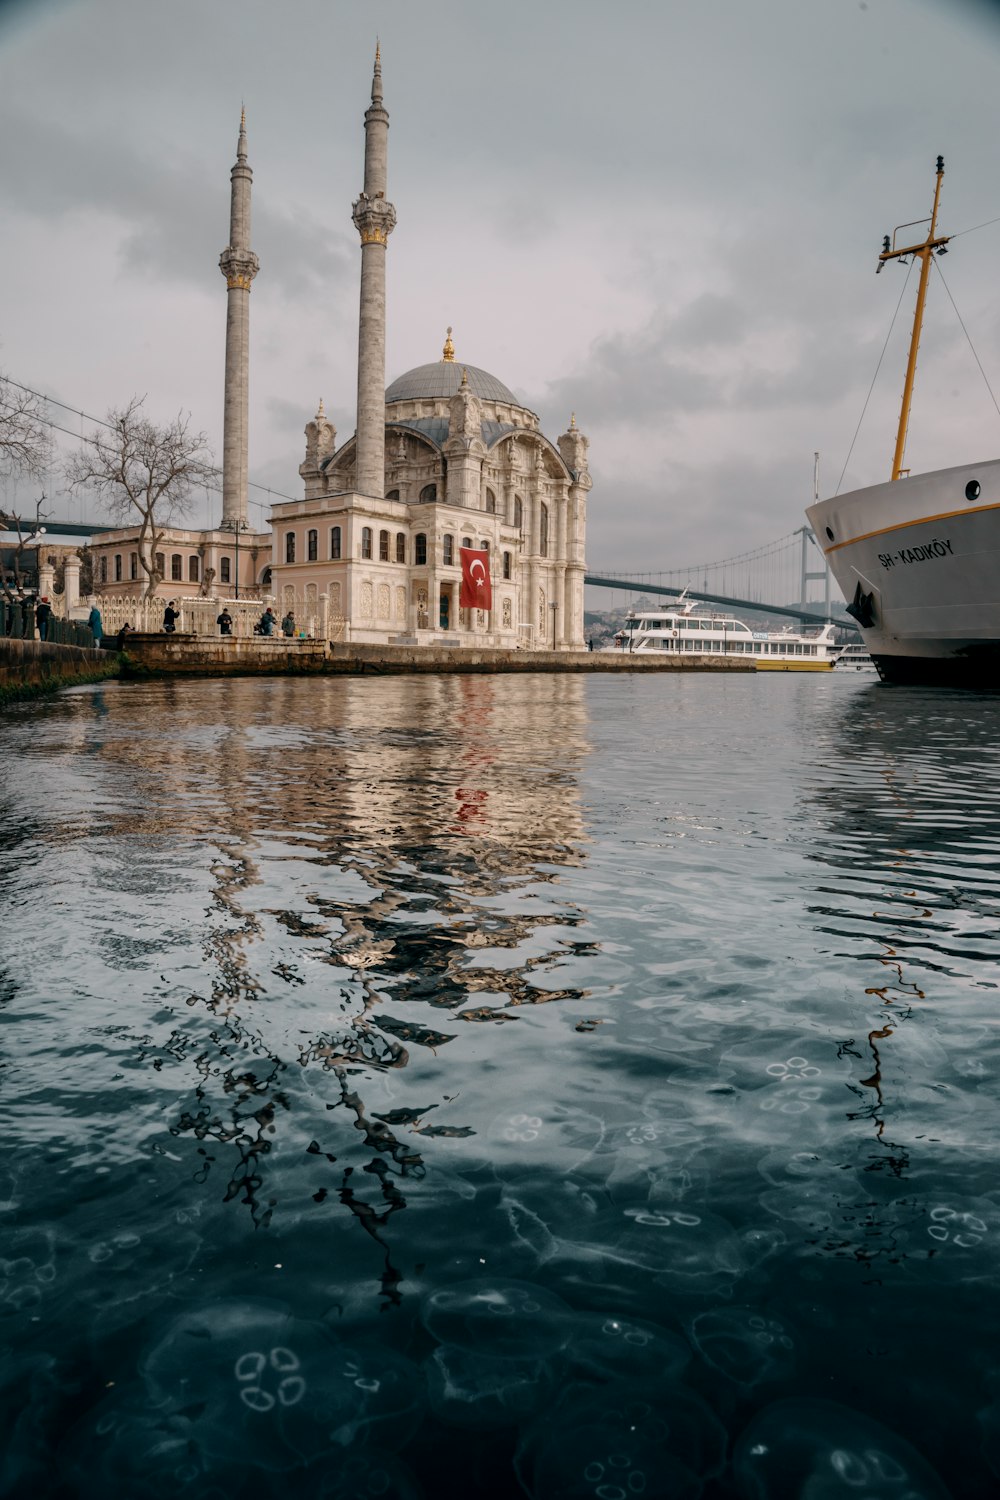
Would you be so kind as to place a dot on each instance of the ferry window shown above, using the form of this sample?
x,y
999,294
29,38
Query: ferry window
x,y
973,490
366,541
192,569
224,570
176,567
448,549
420,549
401,546
334,543
290,547
383,546
312,545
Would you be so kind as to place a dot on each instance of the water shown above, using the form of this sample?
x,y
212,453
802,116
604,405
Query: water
x,y
486,1086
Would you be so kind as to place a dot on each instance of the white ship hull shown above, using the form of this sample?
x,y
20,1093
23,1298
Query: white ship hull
x,y
919,559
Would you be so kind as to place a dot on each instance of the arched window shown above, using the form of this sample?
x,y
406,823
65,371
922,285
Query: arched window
x,y
506,564
383,546
466,541
161,564
392,494
420,549
193,568
334,542
518,512
448,549
366,541
289,546
429,493
118,567
133,565
401,546
176,567
224,570
491,503
312,545
484,545
543,530
104,570
265,580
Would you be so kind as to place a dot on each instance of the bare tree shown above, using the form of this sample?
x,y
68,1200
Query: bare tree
x,y
27,535
25,439
143,474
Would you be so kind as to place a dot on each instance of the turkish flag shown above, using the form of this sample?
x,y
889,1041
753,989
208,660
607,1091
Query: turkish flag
x,y
476,592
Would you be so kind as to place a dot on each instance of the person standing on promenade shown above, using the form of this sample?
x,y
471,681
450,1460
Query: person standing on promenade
x,y
225,622
288,624
96,624
43,614
171,616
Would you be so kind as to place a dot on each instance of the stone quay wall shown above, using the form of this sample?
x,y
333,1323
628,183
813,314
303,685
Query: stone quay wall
x,y
156,654
29,667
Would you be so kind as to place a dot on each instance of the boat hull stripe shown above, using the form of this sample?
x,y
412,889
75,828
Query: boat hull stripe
x,y
945,515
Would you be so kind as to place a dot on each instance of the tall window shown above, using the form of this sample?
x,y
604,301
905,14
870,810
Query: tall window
x,y
366,541
334,542
118,567
401,546
543,530
289,546
312,545
193,569
176,567
383,546
448,549
420,549
484,545
224,573
161,565
491,503
466,541
518,512
104,570
133,565
506,565
429,493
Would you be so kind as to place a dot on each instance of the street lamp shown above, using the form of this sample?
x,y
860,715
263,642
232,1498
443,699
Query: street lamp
x,y
235,524
553,606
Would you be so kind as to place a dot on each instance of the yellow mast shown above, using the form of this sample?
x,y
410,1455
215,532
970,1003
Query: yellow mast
x,y
924,250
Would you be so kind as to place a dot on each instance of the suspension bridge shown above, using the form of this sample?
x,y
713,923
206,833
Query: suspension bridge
x,y
787,577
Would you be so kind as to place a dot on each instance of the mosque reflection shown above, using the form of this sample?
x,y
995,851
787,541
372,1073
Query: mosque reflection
x,y
384,880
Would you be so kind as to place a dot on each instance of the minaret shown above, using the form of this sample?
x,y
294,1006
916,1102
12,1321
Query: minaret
x,y
375,219
239,266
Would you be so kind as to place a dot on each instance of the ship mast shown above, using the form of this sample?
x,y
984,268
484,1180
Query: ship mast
x,y
924,250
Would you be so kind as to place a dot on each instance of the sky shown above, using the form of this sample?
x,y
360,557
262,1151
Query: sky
x,y
661,215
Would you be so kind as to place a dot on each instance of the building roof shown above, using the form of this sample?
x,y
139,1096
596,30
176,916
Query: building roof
x,y
435,429
443,379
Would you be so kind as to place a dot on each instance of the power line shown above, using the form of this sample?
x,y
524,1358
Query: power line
x,y
972,346
874,378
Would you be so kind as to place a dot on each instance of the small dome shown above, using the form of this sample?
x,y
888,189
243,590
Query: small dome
x,y
443,379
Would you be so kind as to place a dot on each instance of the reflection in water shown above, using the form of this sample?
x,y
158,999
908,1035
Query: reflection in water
x,y
495,1085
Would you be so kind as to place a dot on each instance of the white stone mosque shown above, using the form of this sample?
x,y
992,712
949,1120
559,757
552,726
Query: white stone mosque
x,y
446,458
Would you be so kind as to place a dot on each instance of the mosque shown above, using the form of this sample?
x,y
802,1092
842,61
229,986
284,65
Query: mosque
x,y
447,482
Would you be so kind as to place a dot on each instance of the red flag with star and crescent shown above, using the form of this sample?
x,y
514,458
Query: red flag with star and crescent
x,y
476,591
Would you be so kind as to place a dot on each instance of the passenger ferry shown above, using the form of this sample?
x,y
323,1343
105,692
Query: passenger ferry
x,y
691,630
855,658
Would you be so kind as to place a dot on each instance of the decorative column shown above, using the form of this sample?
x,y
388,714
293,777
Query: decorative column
x,y
573,446
374,219
239,266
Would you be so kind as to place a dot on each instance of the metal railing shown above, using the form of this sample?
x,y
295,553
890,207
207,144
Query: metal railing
x,y
17,622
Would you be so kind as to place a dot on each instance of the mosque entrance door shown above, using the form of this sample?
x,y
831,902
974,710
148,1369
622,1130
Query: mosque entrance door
x,y
444,616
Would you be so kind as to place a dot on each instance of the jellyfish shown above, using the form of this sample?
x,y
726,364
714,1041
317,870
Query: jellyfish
x,y
27,1270
825,1451
686,1251
633,1438
504,1319
121,1447
611,1347
263,1387
745,1344
561,1136
468,1388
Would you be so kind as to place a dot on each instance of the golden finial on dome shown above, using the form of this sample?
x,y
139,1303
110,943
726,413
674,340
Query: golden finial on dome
x,y
449,350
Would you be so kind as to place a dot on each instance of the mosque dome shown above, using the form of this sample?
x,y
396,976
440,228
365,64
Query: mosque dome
x,y
443,379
